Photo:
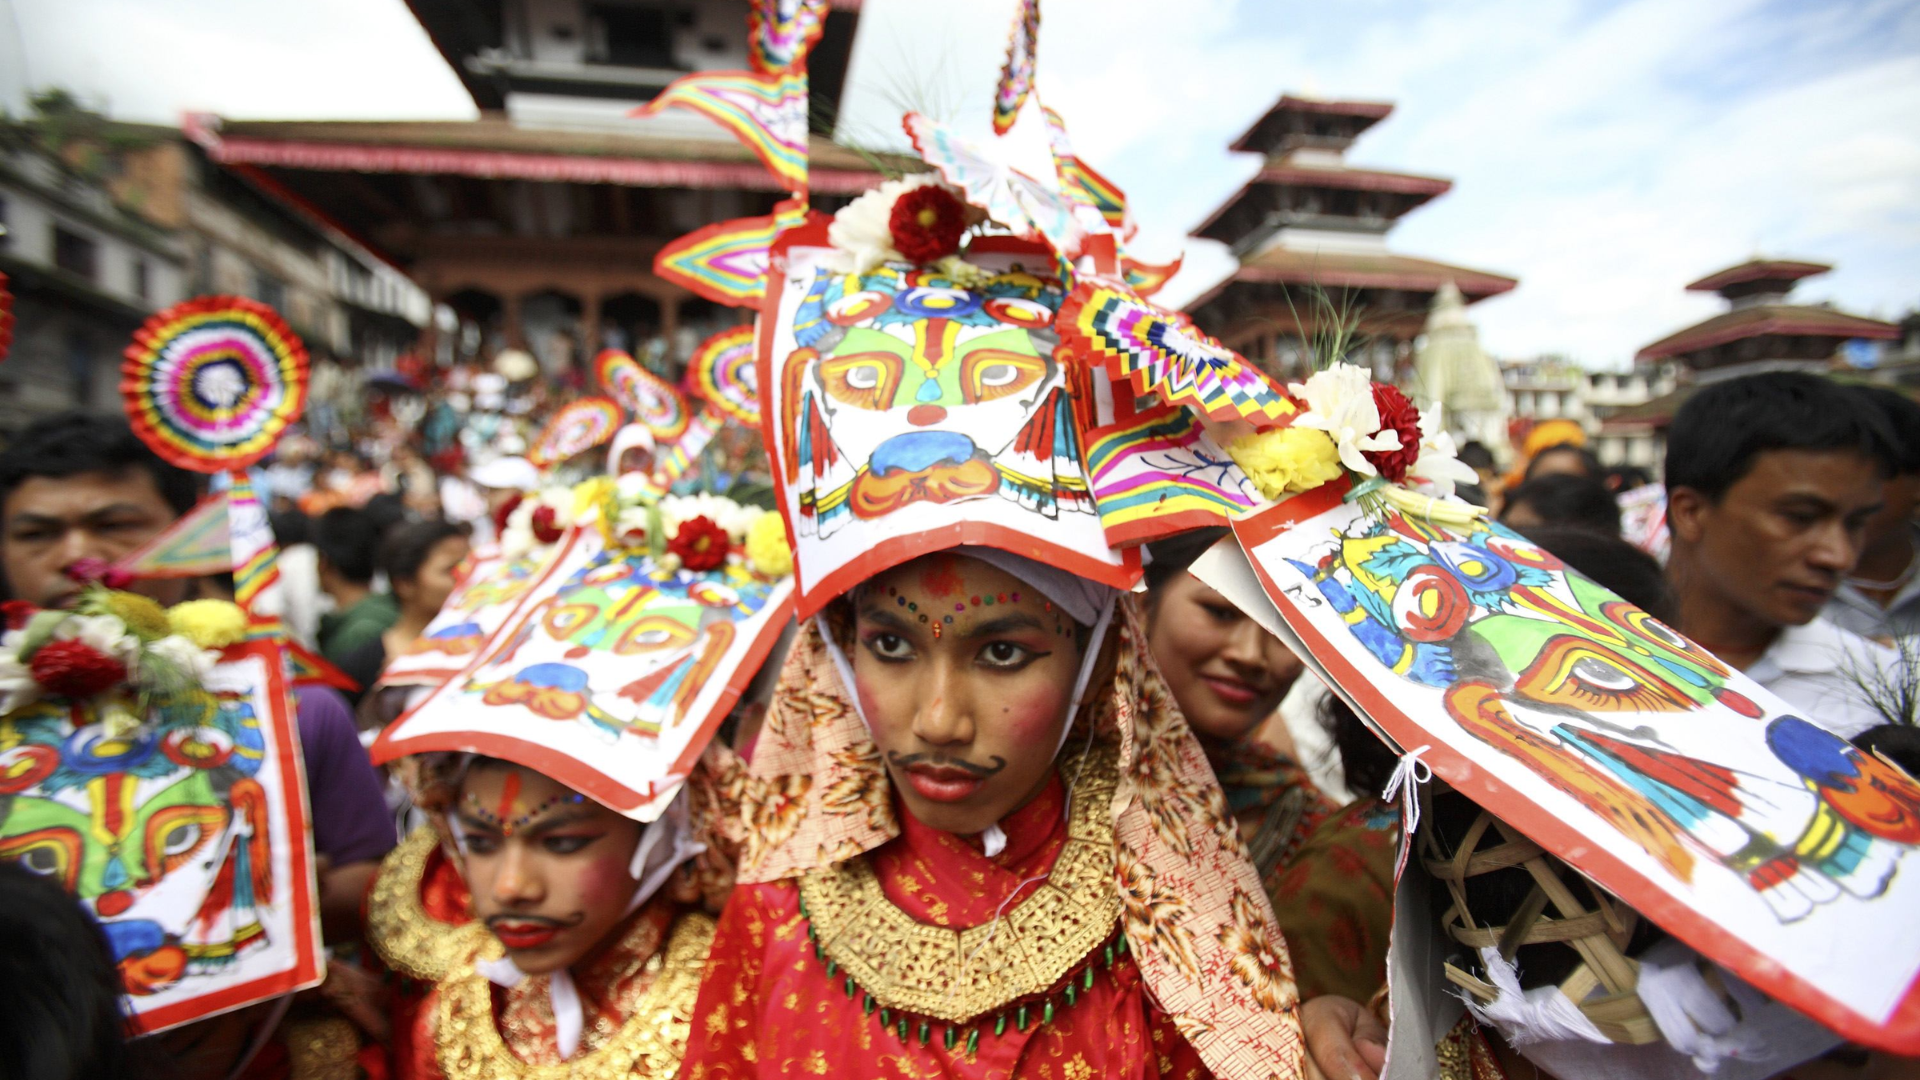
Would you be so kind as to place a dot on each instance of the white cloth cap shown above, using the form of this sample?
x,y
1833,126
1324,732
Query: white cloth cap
x,y
507,474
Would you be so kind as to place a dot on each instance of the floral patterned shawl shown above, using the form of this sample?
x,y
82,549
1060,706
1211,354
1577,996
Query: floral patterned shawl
x,y
1195,914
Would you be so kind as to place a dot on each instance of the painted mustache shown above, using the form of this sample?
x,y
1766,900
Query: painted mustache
x,y
942,761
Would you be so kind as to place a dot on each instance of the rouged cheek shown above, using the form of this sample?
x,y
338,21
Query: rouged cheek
x,y
605,881
1030,723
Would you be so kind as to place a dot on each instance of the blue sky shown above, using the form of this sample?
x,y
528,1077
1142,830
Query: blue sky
x,y
1604,153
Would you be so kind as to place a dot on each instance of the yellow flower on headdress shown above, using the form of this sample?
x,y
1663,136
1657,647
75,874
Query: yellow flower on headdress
x,y
145,617
210,624
767,547
1286,461
588,494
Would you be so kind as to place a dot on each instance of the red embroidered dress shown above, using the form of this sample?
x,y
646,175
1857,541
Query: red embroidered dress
x,y
769,1007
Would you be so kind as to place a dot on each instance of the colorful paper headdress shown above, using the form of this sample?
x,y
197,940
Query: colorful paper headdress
x,y
148,764
575,428
606,647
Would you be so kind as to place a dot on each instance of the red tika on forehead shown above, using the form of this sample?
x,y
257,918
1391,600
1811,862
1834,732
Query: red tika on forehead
x,y
509,796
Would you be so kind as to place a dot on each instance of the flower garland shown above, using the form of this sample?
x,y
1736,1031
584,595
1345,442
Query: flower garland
x,y
691,532
112,640
1372,433
914,219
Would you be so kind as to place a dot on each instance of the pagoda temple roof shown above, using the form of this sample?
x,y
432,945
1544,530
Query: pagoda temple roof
x,y
492,147
1758,270
1358,270
1420,188
1785,319
1267,128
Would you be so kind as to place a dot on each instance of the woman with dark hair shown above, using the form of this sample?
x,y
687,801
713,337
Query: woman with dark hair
x,y
419,559
1561,499
60,1009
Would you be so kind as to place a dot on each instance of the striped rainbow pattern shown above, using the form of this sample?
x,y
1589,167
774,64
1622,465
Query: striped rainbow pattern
x,y
726,262
780,33
256,565
211,383
1157,473
1167,356
579,426
723,373
1016,74
767,113
1079,181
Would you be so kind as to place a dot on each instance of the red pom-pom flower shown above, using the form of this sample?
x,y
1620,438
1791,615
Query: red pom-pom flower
x,y
701,544
75,669
1397,414
546,525
927,223
90,570
17,613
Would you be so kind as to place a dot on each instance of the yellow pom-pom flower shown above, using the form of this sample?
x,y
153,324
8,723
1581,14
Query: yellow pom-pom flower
x,y
767,548
143,616
1286,461
210,624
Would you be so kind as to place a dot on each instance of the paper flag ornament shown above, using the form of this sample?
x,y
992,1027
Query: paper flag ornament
x,y
1012,198
187,841
1157,473
256,557
1166,356
906,413
1016,74
1145,279
652,400
1081,184
676,459
212,383
726,262
194,546
1749,832
780,33
610,677
723,372
577,427
6,317
308,668
767,113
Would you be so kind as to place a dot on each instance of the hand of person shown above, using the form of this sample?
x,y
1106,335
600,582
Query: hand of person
x,y
1344,1041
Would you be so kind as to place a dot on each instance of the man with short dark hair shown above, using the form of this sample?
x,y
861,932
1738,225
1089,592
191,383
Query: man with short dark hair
x,y
75,487
347,540
1771,480
1880,598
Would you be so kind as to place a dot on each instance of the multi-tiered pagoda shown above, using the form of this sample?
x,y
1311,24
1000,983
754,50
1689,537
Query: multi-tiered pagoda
x,y
1761,330
1309,224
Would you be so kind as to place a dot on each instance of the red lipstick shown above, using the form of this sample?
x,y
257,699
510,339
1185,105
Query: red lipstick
x,y
943,783
523,935
1232,691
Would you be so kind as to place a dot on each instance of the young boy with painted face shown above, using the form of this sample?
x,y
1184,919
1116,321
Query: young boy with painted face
x,y
586,939
980,838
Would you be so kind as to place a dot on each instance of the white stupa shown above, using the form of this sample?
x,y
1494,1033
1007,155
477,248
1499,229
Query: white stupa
x,y
1452,368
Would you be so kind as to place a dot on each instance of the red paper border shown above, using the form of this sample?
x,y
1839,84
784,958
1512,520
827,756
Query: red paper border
x,y
306,924
1901,1032
811,596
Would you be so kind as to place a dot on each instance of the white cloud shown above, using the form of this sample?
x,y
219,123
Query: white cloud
x,y
152,59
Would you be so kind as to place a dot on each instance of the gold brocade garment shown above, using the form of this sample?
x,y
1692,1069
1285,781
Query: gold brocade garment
x,y
638,997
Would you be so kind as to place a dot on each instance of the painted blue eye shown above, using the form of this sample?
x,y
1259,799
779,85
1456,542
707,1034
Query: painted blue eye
x,y
926,302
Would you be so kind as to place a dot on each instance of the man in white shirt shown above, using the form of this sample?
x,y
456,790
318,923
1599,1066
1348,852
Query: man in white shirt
x,y
1771,480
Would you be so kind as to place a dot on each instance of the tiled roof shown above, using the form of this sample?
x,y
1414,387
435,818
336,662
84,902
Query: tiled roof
x,y
1758,270
1786,319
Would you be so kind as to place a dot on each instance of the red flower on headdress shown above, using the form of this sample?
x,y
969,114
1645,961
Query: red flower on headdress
x,y
927,223
546,525
75,669
1397,414
17,613
90,570
701,544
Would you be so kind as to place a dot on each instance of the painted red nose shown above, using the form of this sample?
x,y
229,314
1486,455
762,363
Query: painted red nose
x,y
926,415
113,903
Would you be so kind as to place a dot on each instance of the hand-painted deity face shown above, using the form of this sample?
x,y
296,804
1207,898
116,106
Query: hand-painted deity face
x,y
927,388
161,833
1226,672
964,673
548,868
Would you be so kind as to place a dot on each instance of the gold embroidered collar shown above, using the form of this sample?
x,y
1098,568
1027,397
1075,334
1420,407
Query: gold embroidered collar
x,y
957,975
648,1045
411,941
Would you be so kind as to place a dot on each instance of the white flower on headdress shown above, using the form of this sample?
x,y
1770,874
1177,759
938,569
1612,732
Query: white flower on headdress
x,y
102,633
1339,402
192,660
862,230
724,512
518,539
17,684
1439,466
